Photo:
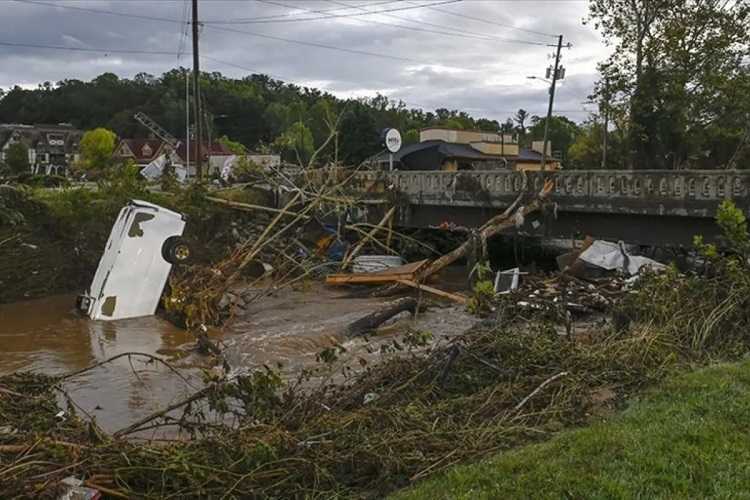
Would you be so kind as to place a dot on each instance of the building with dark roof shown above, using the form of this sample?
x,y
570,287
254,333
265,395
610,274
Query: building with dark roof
x,y
451,149
52,149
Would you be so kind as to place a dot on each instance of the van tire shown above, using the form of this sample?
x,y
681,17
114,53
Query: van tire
x,y
176,251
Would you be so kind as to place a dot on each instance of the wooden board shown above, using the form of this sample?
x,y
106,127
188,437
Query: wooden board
x,y
405,272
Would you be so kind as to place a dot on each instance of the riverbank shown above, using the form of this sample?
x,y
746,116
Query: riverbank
x,y
685,439
368,417
506,383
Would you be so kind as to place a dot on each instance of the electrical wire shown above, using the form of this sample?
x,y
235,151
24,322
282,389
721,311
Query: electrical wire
x,y
319,45
447,30
330,16
86,49
99,11
184,31
486,21
315,11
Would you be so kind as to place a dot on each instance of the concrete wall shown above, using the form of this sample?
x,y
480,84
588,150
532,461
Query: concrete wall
x,y
461,136
496,148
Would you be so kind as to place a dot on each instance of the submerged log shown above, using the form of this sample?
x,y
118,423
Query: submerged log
x,y
377,318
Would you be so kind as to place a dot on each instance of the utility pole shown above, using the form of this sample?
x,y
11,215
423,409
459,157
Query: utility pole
x,y
187,121
555,76
605,130
197,94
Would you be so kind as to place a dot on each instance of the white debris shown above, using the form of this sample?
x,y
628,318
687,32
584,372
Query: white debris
x,y
614,256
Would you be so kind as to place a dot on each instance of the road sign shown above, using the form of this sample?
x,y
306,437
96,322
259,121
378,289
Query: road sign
x,y
393,140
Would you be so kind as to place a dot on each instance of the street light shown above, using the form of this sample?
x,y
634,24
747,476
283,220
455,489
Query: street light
x,y
539,78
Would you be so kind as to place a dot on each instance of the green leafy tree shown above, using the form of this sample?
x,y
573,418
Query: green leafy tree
x,y
562,133
233,146
97,147
17,158
296,143
520,119
676,66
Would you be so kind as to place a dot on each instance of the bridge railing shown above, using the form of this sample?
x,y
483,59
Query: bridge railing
x,y
689,192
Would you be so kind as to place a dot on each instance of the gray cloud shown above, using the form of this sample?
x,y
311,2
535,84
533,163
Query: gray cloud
x,y
486,77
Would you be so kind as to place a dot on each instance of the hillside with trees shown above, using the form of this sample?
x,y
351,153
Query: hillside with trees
x,y
257,111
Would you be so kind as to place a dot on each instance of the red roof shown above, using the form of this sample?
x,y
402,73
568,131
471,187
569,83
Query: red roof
x,y
147,150
217,149
141,150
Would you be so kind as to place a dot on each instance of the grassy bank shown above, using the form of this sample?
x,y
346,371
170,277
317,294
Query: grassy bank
x,y
686,439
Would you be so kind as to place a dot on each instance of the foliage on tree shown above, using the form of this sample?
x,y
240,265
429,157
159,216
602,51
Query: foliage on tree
x,y
562,133
296,143
233,146
255,111
678,72
17,158
97,147
520,118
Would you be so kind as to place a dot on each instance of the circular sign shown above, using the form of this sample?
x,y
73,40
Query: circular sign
x,y
392,140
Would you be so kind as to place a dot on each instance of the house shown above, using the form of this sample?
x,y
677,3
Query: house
x,y
141,151
452,149
52,149
144,151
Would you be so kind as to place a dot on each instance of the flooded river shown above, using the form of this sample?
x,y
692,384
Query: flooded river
x,y
48,336
286,331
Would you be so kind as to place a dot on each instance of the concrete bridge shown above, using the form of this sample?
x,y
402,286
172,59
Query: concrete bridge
x,y
648,207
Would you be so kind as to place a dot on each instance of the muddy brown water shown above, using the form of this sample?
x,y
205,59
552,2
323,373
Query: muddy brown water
x,y
285,330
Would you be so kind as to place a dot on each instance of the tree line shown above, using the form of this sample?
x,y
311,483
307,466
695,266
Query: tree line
x,y
675,93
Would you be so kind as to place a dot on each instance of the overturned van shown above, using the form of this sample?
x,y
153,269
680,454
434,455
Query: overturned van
x,y
145,241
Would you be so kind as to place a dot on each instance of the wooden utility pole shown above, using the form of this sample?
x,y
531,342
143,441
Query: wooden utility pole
x,y
555,75
197,94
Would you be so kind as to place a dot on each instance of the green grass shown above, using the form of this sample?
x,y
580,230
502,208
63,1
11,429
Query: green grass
x,y
688,438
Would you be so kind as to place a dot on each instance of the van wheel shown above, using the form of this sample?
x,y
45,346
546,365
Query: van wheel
x,y
175,250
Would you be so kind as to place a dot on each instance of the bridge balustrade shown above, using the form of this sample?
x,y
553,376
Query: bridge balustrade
x,y
604,191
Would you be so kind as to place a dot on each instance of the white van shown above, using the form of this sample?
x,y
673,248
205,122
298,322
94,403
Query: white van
x,y
144,243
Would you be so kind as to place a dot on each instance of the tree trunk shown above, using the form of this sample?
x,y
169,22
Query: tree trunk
x,y
377,318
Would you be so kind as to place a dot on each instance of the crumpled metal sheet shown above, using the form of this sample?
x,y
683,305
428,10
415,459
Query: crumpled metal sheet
x,y
614,256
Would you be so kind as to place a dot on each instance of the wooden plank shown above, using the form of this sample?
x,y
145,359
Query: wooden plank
x,y
461,299
405,272
366,278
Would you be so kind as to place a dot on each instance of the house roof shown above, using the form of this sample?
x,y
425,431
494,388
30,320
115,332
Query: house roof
x,y
437,151
147,150
445,149
140,150
37,136
216,149
529,155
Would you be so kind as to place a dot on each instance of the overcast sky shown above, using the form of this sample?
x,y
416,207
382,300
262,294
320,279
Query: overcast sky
x,y
444,58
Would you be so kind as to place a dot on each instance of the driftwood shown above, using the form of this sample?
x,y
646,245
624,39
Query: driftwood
x,y
491,228
536,391
377,318
381,225
455,297
135,427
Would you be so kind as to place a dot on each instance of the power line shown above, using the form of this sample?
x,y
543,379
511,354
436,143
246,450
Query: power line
x,y
315,11
99,11
316,44
86,49
330,16
493,23
450,30
184,30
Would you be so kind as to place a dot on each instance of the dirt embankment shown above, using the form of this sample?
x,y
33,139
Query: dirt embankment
x,y
39,255
51,240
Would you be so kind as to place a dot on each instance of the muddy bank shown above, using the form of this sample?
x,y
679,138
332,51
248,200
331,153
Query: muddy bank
x,y
51,240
